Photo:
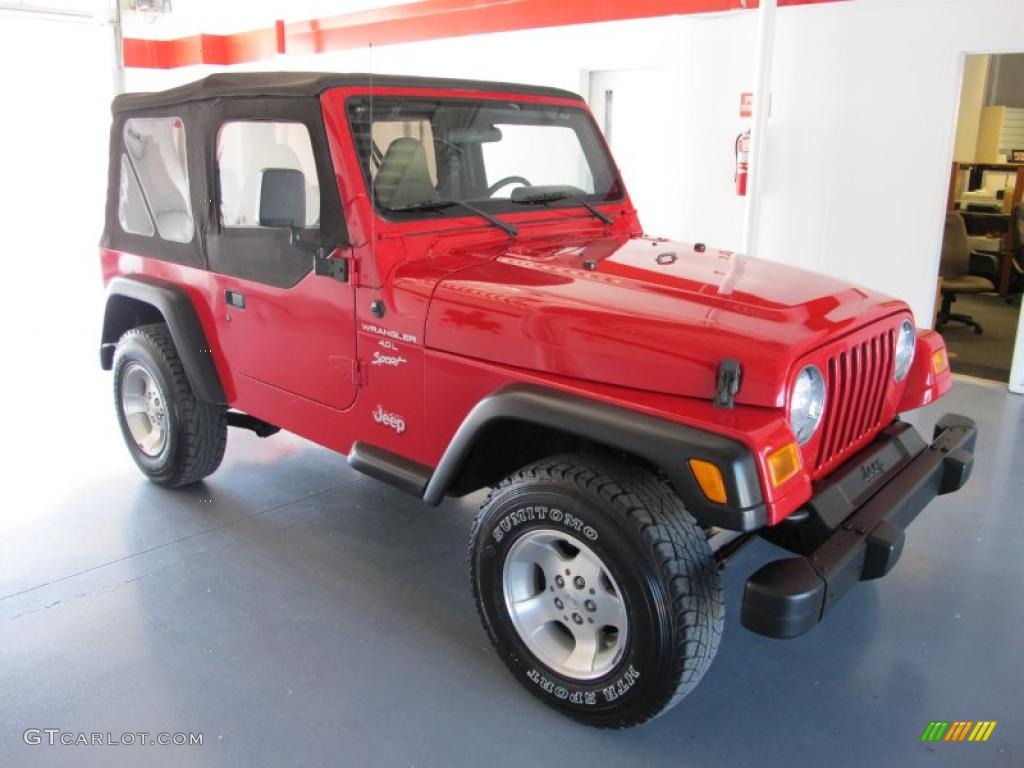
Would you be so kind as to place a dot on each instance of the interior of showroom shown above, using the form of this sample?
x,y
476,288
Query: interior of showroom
x,y
294,609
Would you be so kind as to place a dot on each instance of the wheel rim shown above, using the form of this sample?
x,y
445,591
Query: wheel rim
x,y
145,410
564,604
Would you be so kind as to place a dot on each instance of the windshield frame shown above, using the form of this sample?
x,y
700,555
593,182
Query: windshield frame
x,y
598,152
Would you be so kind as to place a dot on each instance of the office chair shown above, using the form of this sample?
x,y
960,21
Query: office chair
x,y
955,272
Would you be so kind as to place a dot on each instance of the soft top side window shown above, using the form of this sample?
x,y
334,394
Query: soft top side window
x,y
245,149
154,190
132,210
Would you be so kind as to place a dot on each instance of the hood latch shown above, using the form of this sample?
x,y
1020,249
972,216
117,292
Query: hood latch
x,y
728,383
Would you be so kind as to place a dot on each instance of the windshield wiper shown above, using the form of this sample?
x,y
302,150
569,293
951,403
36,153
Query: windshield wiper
x,y
550,197
436,205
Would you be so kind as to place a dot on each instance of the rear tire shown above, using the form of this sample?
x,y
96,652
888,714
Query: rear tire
x,y
579,537
174,438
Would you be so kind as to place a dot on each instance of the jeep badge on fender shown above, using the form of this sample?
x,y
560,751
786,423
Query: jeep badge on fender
x,y
638,408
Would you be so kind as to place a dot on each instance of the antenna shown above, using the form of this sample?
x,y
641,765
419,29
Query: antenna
x,y
376,305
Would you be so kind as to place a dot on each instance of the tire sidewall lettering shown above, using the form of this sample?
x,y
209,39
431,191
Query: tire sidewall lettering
x,y
606,694
540,513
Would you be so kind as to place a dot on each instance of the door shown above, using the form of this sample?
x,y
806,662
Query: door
x,y
279,323
628,105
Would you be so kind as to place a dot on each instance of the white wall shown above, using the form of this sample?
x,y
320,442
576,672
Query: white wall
x,y
54,137
649,157
861,135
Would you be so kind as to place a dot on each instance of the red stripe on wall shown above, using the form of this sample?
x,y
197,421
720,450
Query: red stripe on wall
x,y
426,20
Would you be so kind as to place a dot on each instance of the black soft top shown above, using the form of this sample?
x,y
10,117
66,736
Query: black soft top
x,y
231,84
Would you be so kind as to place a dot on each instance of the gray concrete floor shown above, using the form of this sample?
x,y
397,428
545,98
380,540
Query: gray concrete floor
x,y
298,614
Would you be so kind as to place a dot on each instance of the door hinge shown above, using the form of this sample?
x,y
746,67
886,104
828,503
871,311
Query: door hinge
x,y
334,265
358,373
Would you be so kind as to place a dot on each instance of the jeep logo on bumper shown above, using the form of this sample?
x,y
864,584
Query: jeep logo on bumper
x,y
871,470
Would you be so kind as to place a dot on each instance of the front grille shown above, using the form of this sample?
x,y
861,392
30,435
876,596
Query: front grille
x,y
857,380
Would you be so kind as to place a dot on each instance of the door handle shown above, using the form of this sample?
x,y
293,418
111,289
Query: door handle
x,y
234,299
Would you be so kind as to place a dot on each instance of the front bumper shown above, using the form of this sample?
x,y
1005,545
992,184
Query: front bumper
x,y
853,528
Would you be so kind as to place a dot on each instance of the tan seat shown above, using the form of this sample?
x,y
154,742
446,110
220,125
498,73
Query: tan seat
x,y
967,284
403,178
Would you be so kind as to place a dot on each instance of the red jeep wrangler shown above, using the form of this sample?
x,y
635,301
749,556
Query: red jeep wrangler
x,y
446,281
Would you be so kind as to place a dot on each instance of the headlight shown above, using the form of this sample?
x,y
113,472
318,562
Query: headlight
x,y
905,343
806,403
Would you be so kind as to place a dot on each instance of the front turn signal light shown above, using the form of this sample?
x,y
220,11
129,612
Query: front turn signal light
x,y
940,361
783,464
709,478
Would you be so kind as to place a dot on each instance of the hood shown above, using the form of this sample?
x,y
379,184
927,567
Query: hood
x,y
645,313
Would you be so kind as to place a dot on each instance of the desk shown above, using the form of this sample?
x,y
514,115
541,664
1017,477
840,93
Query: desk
x,y
1009,240
980,223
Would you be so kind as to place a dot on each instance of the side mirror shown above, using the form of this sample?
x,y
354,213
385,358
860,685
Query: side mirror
x,y
283,204
282,198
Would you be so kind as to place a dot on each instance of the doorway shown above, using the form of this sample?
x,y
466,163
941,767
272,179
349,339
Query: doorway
x,y
641,138
981,274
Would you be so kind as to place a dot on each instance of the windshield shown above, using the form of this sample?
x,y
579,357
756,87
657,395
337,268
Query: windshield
x,y
495,155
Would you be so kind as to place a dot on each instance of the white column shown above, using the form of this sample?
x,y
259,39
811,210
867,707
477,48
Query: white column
x,y
762,100
115,24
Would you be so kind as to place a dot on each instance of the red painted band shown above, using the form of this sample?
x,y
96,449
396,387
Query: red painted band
x,y
426,20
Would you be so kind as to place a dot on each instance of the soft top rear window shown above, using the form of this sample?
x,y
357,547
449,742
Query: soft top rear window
x,y
154,179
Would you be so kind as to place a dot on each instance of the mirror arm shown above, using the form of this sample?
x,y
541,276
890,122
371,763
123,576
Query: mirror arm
x,y
297,242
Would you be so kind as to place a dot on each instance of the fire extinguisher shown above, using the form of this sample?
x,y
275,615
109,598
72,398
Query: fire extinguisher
x,y
742,162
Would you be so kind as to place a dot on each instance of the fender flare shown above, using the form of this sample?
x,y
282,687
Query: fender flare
x,y
665,444
179,313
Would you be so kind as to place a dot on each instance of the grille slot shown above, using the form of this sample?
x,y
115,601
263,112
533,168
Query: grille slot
x,y
858,379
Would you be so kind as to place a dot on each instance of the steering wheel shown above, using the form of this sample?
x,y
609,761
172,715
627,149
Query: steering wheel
x,y
505,182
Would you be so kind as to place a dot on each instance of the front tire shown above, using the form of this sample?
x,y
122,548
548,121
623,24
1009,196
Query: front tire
x,y
174,438
597,588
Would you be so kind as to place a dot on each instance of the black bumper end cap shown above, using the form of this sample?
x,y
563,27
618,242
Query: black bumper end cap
x,y
783,598
884,547
953,421
956,470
